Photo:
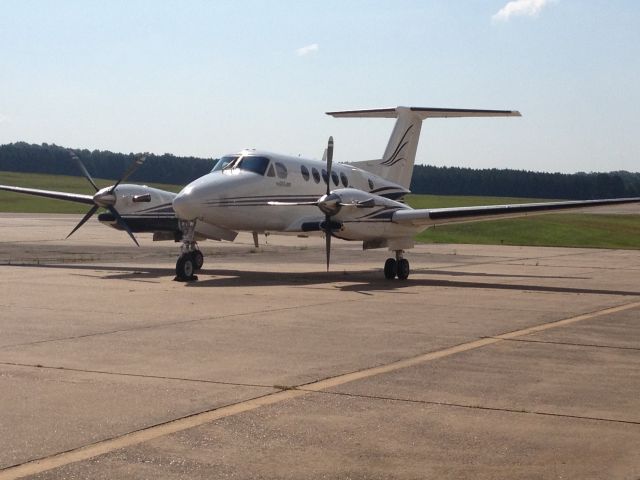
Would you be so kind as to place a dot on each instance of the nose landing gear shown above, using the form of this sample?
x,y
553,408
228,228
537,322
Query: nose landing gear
x,y
191,258
397,267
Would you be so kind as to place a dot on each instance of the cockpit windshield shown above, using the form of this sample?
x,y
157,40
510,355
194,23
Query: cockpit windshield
x,y
253,164
249,163
223,162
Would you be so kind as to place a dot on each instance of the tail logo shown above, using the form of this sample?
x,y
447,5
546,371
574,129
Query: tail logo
x,y
395,157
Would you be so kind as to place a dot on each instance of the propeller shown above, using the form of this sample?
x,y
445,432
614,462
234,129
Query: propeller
x,y
106,198
331,203
327,212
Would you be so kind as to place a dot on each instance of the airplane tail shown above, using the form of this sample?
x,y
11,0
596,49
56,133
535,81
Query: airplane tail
x,y
397,162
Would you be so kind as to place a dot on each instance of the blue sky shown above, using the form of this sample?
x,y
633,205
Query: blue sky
x,y
206,78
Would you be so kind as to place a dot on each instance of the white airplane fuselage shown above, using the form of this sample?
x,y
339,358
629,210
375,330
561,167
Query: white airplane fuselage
x,y
237,198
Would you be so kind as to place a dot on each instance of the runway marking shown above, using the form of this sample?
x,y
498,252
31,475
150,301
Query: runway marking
x,y
173,426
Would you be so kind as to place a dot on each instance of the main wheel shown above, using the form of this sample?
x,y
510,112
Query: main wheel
x,y
198,259
390,268
185,266
403,269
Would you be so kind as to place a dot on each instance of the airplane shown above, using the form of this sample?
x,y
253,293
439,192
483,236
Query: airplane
x,y
362,201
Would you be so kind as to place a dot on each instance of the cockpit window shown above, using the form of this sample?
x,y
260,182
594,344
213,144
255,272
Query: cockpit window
x,y
253,164
223,162
281,170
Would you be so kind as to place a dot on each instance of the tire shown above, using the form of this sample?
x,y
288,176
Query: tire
x,y
390,268
185,268
403,269
198,260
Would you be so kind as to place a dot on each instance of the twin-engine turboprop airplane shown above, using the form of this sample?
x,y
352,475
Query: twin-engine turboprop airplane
x,y
269,193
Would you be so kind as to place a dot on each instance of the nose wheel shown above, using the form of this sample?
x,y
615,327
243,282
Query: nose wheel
x,y
397,267
191,258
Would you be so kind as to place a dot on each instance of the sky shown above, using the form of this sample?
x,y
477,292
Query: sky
x,y
205,78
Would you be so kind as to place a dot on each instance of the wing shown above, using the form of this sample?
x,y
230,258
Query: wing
x,y
438,216
72,197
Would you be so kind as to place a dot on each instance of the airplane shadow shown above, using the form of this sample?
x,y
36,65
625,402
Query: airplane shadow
x,y
359,281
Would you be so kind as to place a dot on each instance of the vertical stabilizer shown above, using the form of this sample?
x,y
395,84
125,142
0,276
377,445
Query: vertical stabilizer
x,y
399,157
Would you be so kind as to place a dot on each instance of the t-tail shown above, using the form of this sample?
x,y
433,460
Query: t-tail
x,y
399,157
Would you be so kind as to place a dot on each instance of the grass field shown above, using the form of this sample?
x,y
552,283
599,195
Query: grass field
x,y
560,230
568,230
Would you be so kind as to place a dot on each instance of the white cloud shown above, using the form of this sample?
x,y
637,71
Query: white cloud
x,y
3,118
307,50
515,8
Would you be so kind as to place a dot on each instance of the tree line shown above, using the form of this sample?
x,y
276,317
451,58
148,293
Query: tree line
x,y
167,168
521,183
53,159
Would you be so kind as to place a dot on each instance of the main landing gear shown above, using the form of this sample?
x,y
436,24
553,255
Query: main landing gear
x,y
397,267
191,258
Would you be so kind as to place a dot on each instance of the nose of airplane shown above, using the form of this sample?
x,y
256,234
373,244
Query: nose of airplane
x,y
184,204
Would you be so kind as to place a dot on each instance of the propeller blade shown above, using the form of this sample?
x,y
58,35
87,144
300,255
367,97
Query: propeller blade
x,y
122,223
132,168
327,238
329,163
75,158
88,215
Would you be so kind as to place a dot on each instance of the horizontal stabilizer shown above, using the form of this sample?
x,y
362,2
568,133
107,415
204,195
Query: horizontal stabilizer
x,y
424,112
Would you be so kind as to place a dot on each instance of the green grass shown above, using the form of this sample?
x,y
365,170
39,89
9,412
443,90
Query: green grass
x,y
549,230
568,230
558,230
21,203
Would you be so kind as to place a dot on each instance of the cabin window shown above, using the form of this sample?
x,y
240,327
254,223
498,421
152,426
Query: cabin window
x,y
253,164
345,180
281,170
305,172
370,184
335,178
223,162
316,175
325,176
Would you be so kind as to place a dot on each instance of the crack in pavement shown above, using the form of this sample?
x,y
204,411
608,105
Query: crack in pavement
x,y
592,345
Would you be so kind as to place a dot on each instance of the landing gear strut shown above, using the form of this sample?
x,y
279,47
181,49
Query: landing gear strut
x,y
397,267
191,258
